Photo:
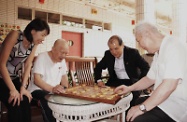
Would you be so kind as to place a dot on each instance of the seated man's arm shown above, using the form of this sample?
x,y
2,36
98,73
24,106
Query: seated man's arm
x,y
138,85
99,67
42,84
161,93
64,82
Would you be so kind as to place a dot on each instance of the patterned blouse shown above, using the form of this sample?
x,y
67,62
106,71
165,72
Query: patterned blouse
x,y
17,56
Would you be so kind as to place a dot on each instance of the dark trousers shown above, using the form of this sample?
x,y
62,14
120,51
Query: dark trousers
x,y
21,113
127,82
154,115
46,111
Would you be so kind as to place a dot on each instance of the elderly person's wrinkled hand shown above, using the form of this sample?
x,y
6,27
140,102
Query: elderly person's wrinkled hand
x,y
121,90
58,89
133,113
101,84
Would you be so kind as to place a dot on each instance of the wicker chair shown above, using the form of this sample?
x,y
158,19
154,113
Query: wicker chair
x,y
81,70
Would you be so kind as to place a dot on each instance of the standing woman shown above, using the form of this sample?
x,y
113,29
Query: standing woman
x,y
19,47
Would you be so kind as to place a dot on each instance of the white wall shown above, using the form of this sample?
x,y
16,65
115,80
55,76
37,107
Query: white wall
x,y
95,42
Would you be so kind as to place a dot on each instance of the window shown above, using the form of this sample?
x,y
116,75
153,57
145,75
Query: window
x,y
28,14
24,13
72,21
93,24
41,14
54,18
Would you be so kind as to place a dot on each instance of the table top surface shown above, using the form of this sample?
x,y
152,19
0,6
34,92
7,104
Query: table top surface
x,y
57,99
92,93
62,100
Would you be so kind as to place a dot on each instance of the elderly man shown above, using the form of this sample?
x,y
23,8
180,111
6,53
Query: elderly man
x,y
50,75
124,65
168,72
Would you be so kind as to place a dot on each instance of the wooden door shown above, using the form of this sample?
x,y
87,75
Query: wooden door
x,y
75,41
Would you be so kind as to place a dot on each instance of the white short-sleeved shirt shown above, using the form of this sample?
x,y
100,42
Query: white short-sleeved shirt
x,y
171,63
51,72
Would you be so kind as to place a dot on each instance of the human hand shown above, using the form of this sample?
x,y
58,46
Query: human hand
x,y
133,113
101,84
121,90
58,89
25,92
14,97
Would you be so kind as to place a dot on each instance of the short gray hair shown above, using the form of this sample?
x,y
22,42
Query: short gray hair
x,y
143,26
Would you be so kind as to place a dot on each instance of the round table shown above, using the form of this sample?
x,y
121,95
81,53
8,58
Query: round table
x,y
67,109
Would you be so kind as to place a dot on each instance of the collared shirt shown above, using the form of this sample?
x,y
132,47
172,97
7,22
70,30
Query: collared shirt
x,y
171,63
119,68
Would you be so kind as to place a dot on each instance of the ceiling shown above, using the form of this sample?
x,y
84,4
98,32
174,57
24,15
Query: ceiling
x,y
163,8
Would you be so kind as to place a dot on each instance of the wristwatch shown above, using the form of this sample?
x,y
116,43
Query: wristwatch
x,y
143,108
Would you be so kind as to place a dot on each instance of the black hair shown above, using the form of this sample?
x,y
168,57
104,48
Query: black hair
x,y
37,25
120,41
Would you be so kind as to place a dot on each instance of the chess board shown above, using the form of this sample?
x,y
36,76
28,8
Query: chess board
x,y
93,93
